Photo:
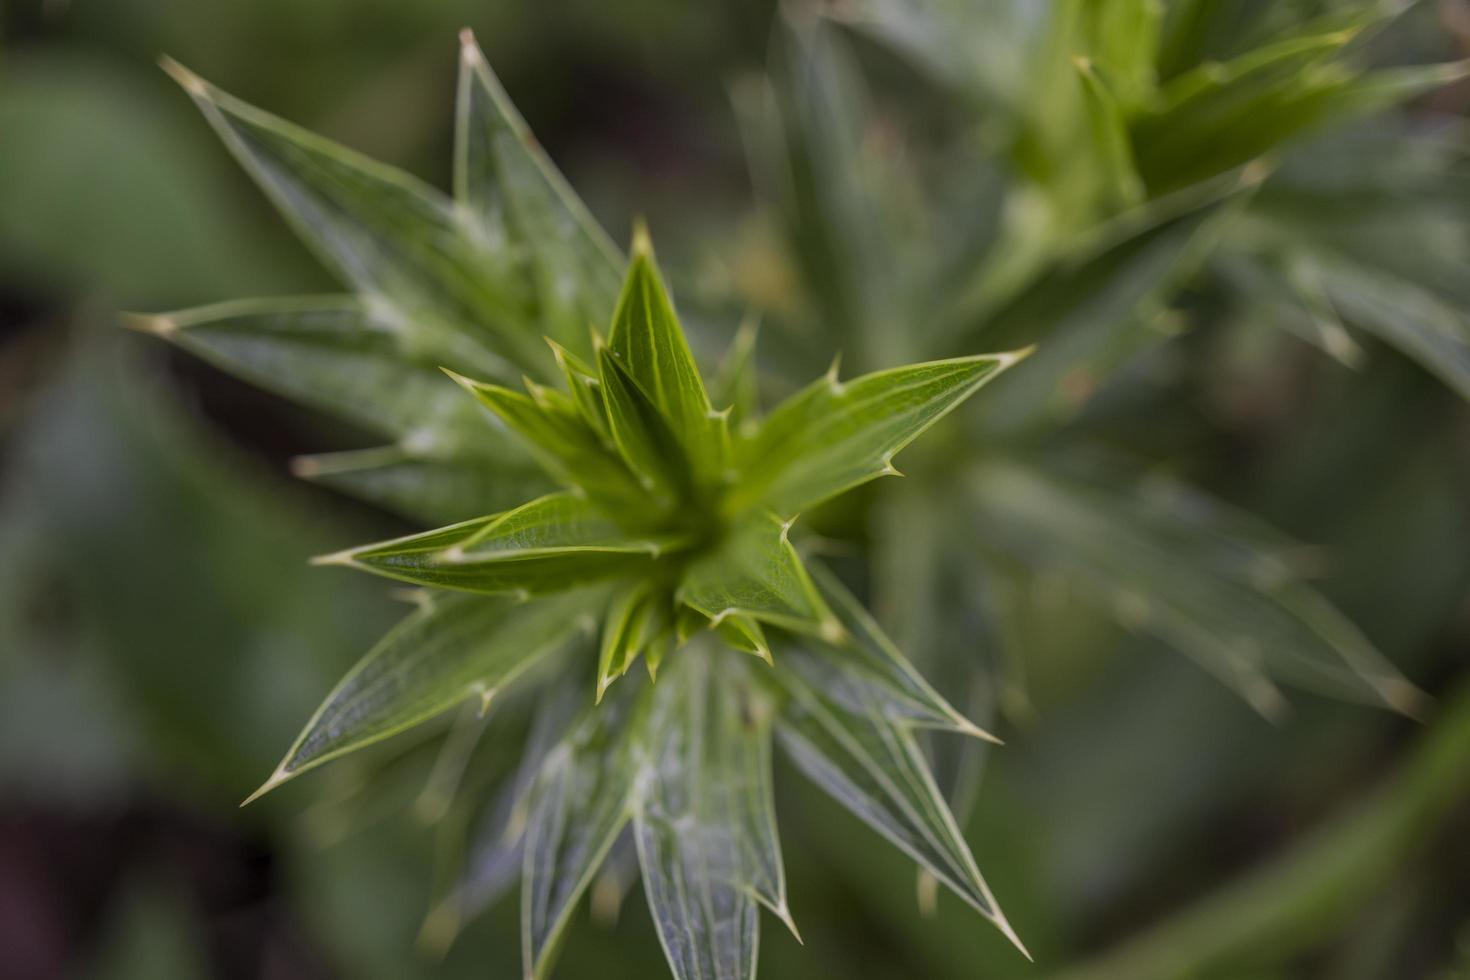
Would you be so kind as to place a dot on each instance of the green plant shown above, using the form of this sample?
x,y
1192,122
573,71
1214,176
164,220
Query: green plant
x,y
666,522
1080,234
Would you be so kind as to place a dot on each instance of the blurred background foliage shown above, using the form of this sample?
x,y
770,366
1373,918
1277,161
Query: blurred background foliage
x,y
897,180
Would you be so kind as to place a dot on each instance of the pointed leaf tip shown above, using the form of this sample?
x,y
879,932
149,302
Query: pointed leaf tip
x,y
189,81
1013,357
642,241
152,323
278,777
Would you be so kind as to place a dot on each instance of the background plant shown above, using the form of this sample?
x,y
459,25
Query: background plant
x,y
1242,412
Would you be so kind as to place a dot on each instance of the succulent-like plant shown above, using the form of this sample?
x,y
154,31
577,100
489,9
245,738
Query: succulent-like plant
x,y
658,525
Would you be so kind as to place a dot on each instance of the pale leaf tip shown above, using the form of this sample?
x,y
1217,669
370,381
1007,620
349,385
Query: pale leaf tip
x,y
606,901
926,893
1254,174
466,383
469,48
642,241
345,558
967,727
187,80
1405,698
305,467
276,778
1005,927
158,325
783,912
1013,357
831,631
831,376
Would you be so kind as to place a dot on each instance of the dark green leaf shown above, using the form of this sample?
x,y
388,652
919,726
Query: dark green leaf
x,y
563,442
647,341
643,436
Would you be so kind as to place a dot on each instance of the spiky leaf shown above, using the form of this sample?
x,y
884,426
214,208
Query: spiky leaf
x,y
336,354
643,434
1193,578
754,571
871,764
648,343
521,203
563,441
452,648
579,804
868,656
391,237
833,436
549,544
705,825
426,487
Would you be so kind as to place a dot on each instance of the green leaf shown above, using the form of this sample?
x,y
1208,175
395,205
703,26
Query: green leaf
x,y
1123,37
401,244
564,443
754,571
425,488
865,653
332,353
872,765
643,436
736,384
518,198
586,388
1426,326
744,633
450,649
1219,116
833,436
578,806
647,341
496,849
705,825
1109,132
550,544
1092,309
1196,577
638,616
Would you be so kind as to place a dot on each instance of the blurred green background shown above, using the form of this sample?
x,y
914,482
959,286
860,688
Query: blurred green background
x,y
162,638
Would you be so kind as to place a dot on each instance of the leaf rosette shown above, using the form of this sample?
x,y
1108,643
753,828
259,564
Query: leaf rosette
x,y
632,518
